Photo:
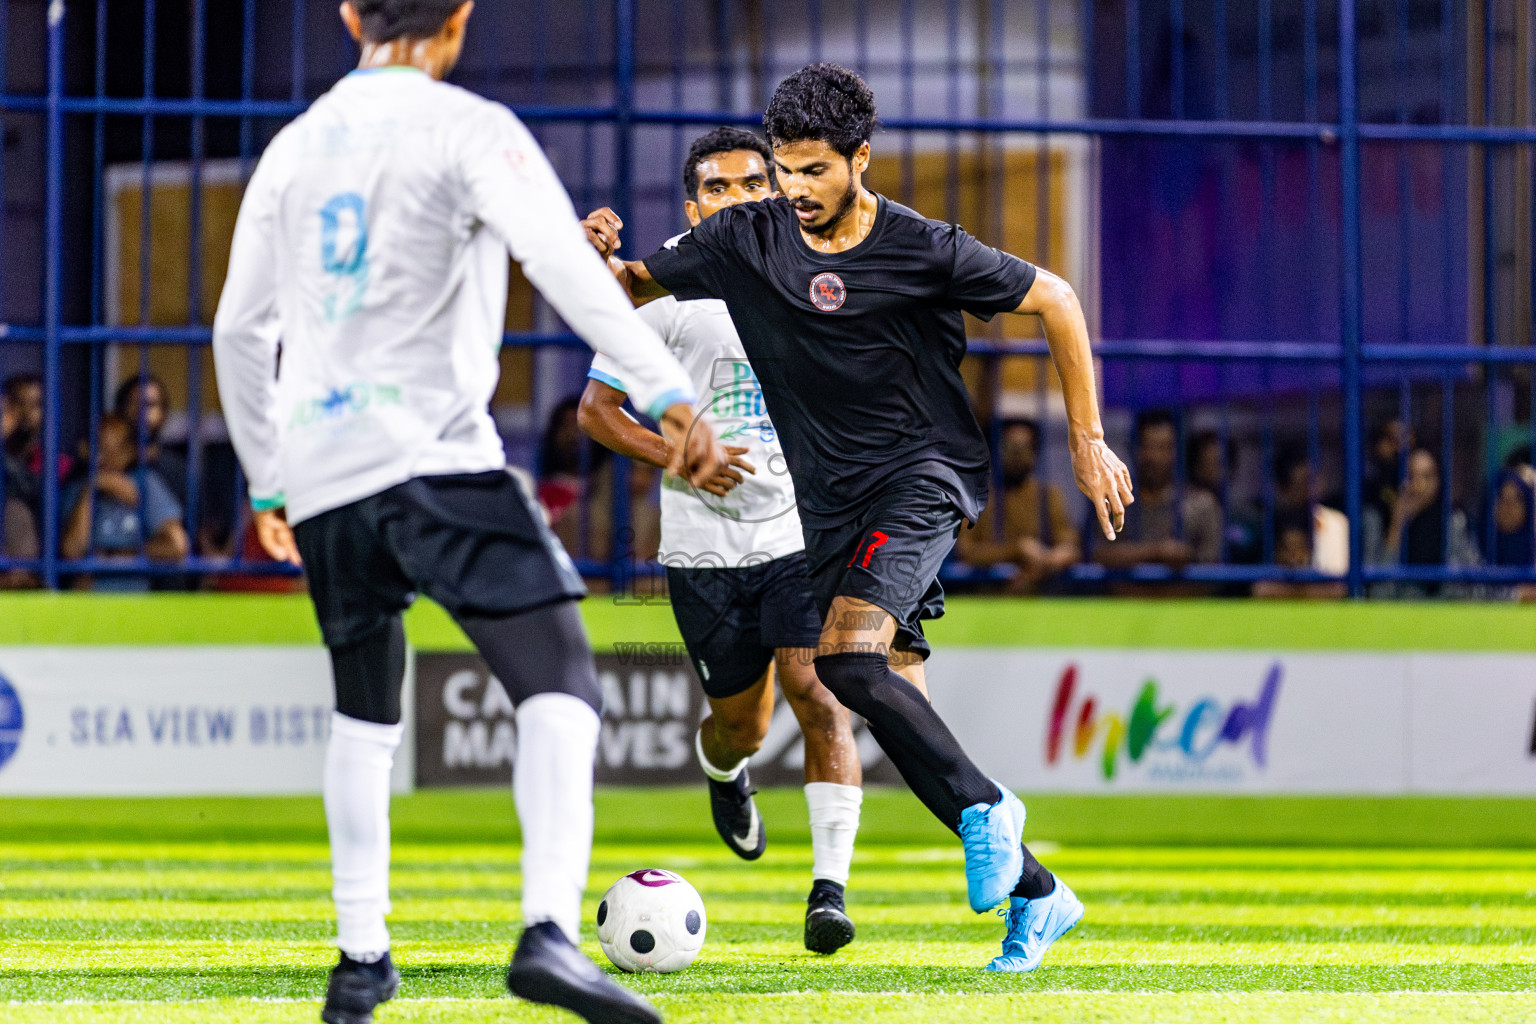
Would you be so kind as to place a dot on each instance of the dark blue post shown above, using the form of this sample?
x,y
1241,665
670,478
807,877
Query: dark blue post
x,y
623,182
53,299
1350,298
1490,292
193,495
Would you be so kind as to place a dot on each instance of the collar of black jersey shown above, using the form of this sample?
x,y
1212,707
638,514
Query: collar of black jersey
x,y
881,215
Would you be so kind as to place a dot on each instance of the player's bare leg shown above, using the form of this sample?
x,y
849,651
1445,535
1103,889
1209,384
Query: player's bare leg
x,y
833,777
736,725
731,734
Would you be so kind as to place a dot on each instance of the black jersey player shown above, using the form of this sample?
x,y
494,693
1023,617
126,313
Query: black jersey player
x,y
850,308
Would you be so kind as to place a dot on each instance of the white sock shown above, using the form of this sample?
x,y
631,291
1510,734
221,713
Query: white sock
x,y
834,823
718,774
552,784
357,764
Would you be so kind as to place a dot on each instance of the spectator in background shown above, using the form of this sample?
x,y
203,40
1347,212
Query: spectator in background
x,y
1205,462
1390,441
580,505
21,541
217,505
571,498
20,527
561,481
1416,530
22,396
1160,529
146,396
1514,538
1514,526
1296,488
133,508
1295,532
1034,532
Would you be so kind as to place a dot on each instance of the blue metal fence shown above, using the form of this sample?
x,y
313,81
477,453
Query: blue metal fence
x,y
1192,97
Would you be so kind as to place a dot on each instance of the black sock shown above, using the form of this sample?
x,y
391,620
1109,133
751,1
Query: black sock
x,y
379,968
827,887
1036,881
910,732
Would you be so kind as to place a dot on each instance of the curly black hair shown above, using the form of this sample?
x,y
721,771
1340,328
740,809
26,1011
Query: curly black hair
x,y
823,102
721,140
384,20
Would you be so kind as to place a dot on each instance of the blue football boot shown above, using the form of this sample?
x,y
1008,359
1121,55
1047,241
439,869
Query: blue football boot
x,y
994,850
1033,925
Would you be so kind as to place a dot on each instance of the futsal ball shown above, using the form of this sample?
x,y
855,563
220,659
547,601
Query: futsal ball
x,y
651,922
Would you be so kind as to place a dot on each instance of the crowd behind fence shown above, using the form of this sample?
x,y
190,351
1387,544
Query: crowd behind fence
x,y
1303,231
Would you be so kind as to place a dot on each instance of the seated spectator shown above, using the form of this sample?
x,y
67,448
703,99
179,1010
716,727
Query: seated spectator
x,y
1295,530
1033,531
21,542
1389,442
1514,529
133,509
149,401
1159,528
20,527
216,505
22,397
1416,530
576,492
1205,459
1514,538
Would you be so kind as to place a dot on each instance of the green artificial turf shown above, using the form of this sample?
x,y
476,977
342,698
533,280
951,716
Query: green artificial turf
x,y
218,910
40,617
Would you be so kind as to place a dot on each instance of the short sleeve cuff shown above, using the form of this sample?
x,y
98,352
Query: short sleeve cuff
x,y
607,378
667,400
268,504
679,272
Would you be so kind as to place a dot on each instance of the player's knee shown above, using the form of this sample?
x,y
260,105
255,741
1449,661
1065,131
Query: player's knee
x,y
815,706
854,677
744,736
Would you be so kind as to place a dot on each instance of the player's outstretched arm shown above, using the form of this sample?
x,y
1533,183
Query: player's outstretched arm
x,y
509,186
246,332
603,227
603,416
1100,473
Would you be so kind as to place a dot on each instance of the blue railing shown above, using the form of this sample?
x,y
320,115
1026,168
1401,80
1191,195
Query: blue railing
x,y
618,98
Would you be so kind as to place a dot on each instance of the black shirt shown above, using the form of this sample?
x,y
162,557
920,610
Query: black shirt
x,y
857,352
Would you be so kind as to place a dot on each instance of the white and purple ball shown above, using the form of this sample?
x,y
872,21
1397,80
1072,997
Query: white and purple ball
x,y
651,921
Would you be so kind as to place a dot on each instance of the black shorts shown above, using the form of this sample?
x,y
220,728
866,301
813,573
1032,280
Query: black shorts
x,y
732,620
475,543
889,555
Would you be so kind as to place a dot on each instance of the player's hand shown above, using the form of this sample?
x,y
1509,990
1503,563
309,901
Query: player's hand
x,y
603,227
695,456
276,536
1175,553
1034,557
1103,478
118,486
726,477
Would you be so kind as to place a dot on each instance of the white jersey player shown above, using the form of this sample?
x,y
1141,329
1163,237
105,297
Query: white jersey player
x,y
735,561
372,246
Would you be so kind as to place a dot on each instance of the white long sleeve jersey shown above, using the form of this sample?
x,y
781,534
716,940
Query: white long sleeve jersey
x,y
372,246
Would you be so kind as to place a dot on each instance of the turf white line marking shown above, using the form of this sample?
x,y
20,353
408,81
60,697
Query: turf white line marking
x,y
820,993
